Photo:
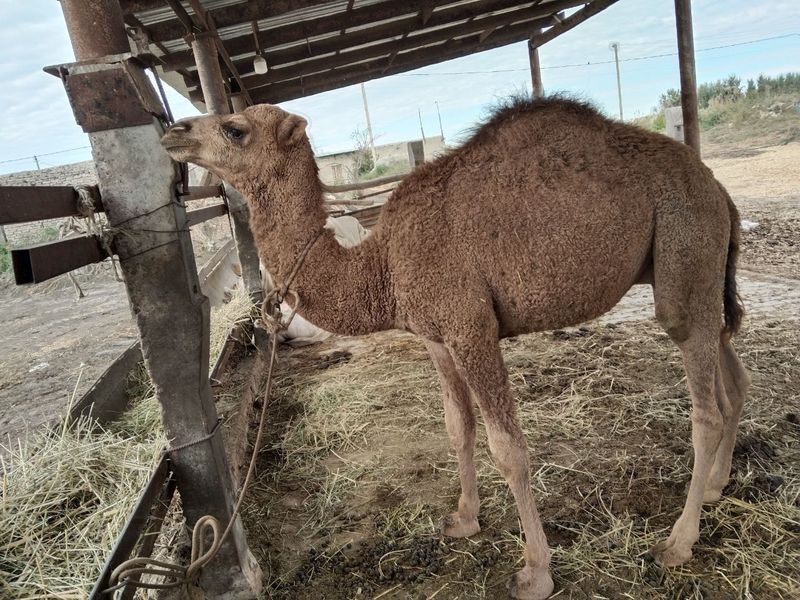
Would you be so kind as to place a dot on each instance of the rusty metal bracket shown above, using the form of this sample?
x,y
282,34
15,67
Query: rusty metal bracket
x,y
110,92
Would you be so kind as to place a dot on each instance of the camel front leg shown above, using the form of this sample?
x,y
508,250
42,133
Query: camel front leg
x,y
460,421
480,363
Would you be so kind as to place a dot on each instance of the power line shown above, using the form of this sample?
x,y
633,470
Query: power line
x,y
34,156
600,62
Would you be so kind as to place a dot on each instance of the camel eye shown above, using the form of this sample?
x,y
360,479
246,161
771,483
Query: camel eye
x,y
232,133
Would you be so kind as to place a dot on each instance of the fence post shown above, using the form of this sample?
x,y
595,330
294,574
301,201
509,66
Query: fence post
x,y
114,103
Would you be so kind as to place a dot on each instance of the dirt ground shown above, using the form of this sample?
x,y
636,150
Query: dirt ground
x,y
52,341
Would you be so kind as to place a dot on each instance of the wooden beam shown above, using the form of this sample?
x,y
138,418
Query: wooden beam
x,y
160,487
363,185
300,28
571,21
691,118
199,192
385,31
314,84
20,204
34,264
395,47
200,215
108,397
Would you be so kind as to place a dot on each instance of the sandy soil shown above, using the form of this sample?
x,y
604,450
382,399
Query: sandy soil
x,y
51,341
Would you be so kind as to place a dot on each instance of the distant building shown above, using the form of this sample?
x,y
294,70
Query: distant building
x,y
339,167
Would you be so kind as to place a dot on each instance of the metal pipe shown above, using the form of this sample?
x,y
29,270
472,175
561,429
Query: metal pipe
x,y
691,118
210,73
536,69
96,28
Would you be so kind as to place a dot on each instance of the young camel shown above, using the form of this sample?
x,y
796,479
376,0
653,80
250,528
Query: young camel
x,y
543,219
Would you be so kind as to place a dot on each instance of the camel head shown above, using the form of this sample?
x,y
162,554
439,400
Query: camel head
x,y
255,142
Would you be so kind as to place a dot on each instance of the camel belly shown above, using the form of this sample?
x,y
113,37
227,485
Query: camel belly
x,y
568,271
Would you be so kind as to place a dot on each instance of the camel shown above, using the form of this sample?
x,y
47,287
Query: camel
x,y
542,219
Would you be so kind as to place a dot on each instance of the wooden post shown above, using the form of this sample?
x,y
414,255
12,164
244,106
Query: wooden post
x,y
138,183
691,119
536,69
208,68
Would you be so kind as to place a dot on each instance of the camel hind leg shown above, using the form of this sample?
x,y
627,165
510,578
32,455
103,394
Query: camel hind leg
x,y
460,421
731,388
689,267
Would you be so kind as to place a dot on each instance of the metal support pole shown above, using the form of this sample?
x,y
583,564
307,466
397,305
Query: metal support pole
x,y
210,74
691,118
369,127
615,48
536,69
439,114
208,68
96,27
138,183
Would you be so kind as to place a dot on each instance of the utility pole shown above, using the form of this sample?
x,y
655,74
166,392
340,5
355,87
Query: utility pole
x,y
536,69
422,131
439,114
36,160
615,47
369,127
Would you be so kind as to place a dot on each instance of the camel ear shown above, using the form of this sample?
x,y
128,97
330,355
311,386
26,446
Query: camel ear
x,y
291,130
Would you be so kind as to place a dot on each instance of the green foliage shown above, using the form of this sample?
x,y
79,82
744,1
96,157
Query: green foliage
x,y
671,97
724,90
5,258
659,121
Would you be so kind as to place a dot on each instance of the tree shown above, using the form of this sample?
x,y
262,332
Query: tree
x,y
671,97
362,156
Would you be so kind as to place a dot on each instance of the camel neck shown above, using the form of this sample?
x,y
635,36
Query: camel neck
x,y
343,290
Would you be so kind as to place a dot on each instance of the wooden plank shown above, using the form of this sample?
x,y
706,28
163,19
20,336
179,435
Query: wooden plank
x,y
108,397
364,185
382,49
160,482
536,69
691,117
197,216
23,203
383,32
571,21
314,84
199,192
34,264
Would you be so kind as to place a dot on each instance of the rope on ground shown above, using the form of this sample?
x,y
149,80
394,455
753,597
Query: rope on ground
x,y
176,576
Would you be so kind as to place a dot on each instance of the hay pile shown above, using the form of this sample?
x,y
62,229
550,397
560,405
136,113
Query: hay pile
x,y
358,471
67,492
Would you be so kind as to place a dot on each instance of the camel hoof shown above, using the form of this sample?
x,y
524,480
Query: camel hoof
x,y
456,526
531,585
669,554
712,495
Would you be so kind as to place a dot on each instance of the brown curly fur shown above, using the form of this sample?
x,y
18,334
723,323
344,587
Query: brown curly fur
x,y
543,219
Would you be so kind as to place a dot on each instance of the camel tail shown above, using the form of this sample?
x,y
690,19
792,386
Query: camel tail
x,y
734,309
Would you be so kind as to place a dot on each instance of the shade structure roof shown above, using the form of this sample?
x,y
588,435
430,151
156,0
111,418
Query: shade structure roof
x,y
312,46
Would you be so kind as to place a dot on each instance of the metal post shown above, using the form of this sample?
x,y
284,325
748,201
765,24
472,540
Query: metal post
x,y
137,182
615,47
691,118
422,131
36,160
536,69
439,114
205,57
369,127
208,68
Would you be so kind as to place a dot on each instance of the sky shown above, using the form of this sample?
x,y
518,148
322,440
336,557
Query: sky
x,y
761,37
